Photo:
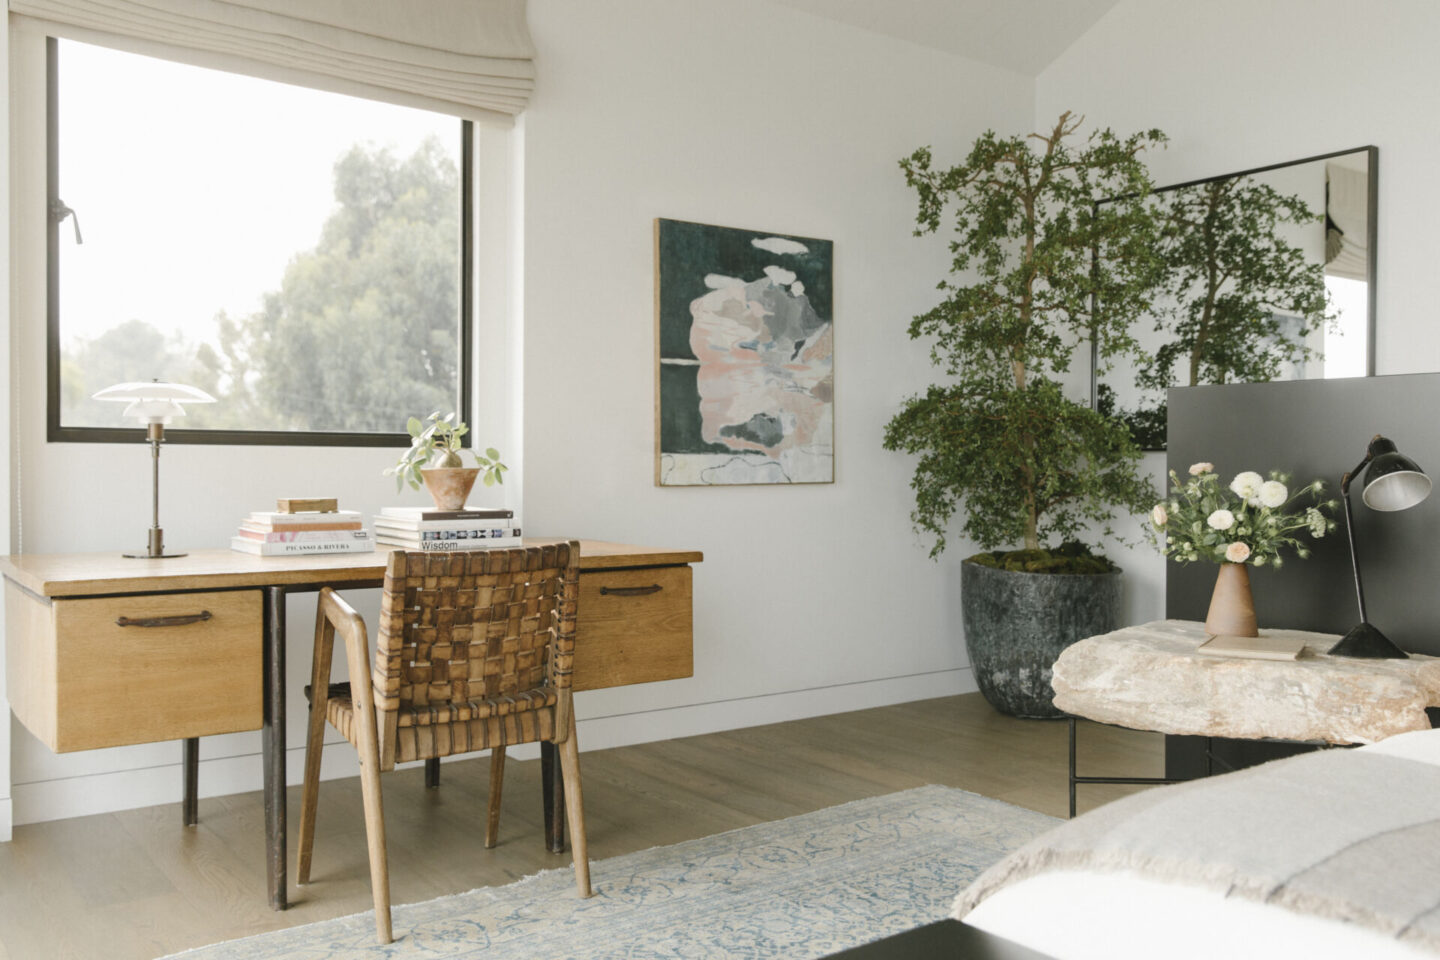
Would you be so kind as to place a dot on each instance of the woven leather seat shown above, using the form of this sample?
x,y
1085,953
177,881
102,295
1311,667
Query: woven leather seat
x,y
474,653
338,704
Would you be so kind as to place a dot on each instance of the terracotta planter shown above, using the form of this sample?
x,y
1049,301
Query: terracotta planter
x,y
449,486
1232,608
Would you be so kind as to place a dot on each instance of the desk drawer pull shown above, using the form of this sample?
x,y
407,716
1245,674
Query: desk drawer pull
x,y
163,621
631,591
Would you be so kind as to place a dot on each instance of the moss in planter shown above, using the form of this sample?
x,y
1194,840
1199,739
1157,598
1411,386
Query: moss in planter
x,y
1070,557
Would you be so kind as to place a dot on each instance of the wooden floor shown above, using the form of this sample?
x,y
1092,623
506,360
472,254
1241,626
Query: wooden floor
x,y
138,885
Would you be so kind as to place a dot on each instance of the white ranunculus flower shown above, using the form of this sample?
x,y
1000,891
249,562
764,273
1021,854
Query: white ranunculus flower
x,y
1221,520
1158,516
1202,467
1273,493
1237,552
1247,485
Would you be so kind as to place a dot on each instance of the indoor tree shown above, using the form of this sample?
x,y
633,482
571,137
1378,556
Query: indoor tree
x,y
1032,256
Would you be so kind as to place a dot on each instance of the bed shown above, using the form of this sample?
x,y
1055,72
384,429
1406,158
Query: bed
x,y
1334,854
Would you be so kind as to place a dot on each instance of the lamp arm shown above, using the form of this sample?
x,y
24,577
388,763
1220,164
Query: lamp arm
x,y
1350,531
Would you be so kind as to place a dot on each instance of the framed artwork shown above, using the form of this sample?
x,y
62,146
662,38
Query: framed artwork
x,y
745,354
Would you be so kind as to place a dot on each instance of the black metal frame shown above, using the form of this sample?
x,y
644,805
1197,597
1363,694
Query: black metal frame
x,y
1211,759
56,433
1372,228
1076,779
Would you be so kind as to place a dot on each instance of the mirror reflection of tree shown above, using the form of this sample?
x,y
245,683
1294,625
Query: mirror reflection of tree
x,y
1238,303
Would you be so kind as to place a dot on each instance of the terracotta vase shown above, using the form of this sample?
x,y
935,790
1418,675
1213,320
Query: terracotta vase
x,y
1232,608
449,486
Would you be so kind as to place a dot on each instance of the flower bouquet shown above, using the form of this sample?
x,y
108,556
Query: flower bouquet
x,y
1250,521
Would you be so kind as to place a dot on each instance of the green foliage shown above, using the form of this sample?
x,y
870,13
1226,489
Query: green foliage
x,y
1249,521
1071,557
365,324
1032,253
360,328
1232,279
437,443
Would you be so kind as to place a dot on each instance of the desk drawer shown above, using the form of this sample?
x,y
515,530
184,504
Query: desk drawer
x,y
633,626
89,673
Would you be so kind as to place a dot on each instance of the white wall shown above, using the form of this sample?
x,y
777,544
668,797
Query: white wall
x,y
1239,84
747,115
810,600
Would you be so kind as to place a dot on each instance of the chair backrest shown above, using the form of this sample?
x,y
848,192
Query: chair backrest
x,y
476,625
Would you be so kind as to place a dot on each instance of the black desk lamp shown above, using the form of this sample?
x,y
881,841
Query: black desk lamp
x,y
1393,482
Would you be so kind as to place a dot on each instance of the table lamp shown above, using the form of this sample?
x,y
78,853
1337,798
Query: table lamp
x,y
1393,482
154,403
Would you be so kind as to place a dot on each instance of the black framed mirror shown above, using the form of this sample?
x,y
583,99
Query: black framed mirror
x,y
1269,275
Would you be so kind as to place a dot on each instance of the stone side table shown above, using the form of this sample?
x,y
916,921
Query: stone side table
x,y
1152,677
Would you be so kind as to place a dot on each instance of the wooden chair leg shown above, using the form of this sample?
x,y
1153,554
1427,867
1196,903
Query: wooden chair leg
x,y
310,793
497,779
375,827
314,745
574,811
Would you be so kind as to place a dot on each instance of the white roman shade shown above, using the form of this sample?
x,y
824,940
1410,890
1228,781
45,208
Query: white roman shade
x,y
470,58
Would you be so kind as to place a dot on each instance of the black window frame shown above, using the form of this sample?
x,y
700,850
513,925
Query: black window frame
x,y
56,433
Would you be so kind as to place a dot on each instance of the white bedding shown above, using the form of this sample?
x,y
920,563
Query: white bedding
x,y
1120,915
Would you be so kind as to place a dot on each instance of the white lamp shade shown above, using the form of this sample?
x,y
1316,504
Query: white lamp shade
x,y
1397,491
154,401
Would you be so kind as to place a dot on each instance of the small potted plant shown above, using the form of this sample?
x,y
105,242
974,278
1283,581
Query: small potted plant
x,y
1247,523
433,459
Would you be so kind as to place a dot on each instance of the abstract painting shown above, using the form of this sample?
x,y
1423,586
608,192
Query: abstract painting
x,y
745,349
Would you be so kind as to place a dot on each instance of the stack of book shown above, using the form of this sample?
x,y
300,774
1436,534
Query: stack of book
x,y
270,533
425,528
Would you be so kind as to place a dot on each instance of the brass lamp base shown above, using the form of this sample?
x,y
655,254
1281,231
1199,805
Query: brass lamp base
x,y
156,548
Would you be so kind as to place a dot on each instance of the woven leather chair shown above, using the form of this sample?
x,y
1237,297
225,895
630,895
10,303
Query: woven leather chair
x,y
474,653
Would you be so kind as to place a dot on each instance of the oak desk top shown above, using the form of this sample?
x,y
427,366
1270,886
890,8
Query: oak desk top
x,y
89,574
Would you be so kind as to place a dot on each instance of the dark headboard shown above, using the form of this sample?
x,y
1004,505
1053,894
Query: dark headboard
x,y
1319,428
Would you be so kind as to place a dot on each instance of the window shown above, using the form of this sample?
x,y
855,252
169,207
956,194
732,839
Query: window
x,y
301,255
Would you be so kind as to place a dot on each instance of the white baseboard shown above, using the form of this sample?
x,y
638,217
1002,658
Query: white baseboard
x,y
126,789
6,817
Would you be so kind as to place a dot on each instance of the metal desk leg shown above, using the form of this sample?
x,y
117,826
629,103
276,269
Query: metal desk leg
x,y
432,772
552,786
190,765
273,745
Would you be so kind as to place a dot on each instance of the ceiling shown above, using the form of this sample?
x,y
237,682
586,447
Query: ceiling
x,y
1019,35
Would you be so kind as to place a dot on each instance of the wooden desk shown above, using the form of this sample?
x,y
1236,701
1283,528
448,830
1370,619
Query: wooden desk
x,y
218,664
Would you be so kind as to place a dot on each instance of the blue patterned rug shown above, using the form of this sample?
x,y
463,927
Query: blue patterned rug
x,y
797,888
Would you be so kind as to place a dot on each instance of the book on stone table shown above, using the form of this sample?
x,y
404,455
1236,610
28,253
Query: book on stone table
x,y
1263,647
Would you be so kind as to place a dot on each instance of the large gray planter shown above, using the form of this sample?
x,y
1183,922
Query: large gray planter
x,y
1016,625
